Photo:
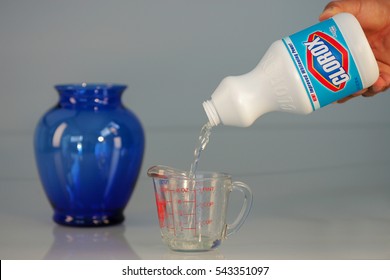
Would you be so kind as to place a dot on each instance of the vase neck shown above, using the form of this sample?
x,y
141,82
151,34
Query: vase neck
x,y
90,96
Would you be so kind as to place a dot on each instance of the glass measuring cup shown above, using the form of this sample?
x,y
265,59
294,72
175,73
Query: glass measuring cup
x,y
192,211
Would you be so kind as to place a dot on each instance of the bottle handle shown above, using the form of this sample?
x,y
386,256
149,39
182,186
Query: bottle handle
x,y
245,209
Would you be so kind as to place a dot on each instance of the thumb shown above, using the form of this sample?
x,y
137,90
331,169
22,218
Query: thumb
x,y
336,7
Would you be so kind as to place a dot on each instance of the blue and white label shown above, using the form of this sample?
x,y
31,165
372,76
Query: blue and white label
x,y
324,62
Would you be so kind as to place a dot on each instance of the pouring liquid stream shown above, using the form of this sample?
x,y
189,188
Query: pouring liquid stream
x,y
203,140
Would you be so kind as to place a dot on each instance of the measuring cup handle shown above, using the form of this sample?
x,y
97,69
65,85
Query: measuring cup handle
x,y
246,207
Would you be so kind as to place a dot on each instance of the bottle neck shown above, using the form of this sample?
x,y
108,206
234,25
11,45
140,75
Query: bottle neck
x,y
239,100
90,96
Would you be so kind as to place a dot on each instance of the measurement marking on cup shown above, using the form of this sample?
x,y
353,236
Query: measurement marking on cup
x,y
181,208
179,201
205,204
185,210
188,212
173,216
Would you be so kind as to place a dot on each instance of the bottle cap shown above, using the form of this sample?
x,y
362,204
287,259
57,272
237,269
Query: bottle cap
x,y
211,112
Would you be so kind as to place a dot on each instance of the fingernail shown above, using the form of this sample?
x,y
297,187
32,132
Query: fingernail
x,y
326,13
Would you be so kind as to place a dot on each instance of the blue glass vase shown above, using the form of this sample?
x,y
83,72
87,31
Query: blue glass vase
x,y
89,150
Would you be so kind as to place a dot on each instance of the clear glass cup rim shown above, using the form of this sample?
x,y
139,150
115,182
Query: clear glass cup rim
x,y
172,173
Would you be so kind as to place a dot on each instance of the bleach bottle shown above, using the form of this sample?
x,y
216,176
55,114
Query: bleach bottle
x,y
299,74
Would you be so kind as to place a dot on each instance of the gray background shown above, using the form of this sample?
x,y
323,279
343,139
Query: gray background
x,y
318,179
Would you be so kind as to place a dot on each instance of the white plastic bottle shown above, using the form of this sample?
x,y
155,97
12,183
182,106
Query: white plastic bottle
x,y
298,74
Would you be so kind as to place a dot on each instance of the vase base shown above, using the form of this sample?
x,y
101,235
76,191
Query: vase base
x,y
88,220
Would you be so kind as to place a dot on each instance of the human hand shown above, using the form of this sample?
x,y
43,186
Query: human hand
x,y
374,17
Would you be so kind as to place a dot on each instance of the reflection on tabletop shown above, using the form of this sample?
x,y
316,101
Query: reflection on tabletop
x,y
106,243
207,255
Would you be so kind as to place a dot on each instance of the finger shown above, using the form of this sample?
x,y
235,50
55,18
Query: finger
x,y
345,99
356,94
336,7
383,81
378,87
331,9
369,93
